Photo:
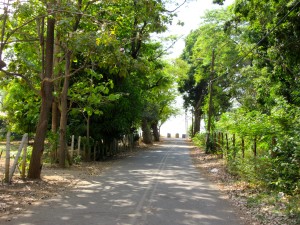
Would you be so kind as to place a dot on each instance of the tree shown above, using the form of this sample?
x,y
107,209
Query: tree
x,y
126,57
273,39
194,95
16,32
261,84
55,46
209,61
144,18
46,94
266,82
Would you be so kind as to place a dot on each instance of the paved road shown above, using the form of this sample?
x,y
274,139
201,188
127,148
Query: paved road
x,y
159,187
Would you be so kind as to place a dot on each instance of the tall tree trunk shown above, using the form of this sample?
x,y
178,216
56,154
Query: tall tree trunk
x,y
63,150
154,127
210,105
147,138
54,128
255,147
55,117
197,120
198,114
63,114
35,166
55,110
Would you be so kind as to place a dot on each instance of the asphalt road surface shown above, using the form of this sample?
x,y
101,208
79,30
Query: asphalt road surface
x,y
159,186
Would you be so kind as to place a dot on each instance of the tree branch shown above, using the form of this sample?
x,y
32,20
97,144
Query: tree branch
x,y
23,77
165,50
156,83
71,74
18,28
171,11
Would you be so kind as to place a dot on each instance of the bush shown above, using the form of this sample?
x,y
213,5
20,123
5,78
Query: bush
x,y
199,139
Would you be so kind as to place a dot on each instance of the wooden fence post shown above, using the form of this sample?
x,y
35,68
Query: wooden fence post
x,y
222,139
7,159
72,146
222,145
233,144
219,141
243,148
78,149
1,153
227,144
24,159
13,168
215,141
102,148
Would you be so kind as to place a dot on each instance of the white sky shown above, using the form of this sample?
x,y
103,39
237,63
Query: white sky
x,y
191,15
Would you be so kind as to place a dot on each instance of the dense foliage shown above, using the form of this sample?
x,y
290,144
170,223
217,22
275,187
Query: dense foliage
x,y
91,66
255,81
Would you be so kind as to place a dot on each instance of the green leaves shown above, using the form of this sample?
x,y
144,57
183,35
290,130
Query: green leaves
x,y
114,97
115,67
245,123
90,94
21,106
256,69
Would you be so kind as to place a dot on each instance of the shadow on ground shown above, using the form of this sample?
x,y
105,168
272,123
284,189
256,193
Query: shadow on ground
x,y
160,186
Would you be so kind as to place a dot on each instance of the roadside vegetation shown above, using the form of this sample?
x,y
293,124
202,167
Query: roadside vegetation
x,y
85,68
96,70
259,203
243,84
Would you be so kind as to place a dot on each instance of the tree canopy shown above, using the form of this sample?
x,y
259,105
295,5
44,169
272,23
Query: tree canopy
x,y
248,53
90,66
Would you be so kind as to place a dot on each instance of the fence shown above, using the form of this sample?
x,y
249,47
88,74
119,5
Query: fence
x,y
96,150
87,150
227,143
10,170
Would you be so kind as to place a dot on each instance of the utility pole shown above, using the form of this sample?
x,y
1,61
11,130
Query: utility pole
x,y
193,133
208,144
186,125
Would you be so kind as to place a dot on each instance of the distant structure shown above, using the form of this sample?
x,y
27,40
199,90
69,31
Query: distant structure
x,y
177,135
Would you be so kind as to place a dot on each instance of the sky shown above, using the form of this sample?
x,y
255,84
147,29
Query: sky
x,y
190,14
